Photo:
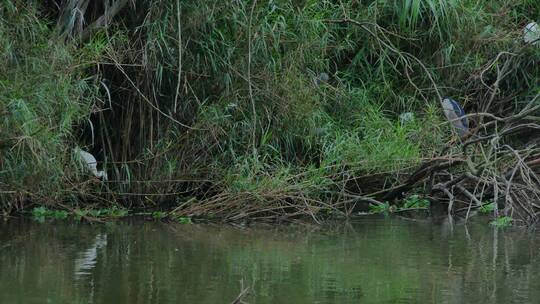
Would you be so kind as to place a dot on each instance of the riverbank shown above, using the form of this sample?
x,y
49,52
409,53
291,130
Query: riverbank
x,y
418,214
269,110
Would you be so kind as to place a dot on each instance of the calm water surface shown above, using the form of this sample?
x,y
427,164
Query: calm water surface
x,y
367,261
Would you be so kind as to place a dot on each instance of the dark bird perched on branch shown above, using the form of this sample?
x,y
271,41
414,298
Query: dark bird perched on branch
x,y
456,115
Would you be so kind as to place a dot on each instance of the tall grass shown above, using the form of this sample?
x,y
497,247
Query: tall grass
x,y
44,94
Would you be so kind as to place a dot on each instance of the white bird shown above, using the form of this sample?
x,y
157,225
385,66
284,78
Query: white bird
x,y
91,163
406,117
531,33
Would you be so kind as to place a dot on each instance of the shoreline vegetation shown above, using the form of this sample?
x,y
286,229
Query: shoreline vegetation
x,y
269,110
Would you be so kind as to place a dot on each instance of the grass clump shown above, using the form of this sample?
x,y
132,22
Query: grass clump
x,y
43,95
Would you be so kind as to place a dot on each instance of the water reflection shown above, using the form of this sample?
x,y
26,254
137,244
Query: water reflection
x,y
371,261
88,258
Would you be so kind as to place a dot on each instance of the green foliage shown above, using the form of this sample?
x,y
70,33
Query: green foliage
x,y
158,215
502,222
183,220
380,208
114,212
218,99
42,213
487,207
415,202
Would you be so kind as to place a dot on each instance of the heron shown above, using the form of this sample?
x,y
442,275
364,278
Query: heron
x,y
91,163
456,115
320,79
531,33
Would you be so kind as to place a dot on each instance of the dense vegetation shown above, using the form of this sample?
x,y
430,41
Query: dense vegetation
x,y
215,108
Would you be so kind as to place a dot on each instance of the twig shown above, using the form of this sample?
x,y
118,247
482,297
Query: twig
x,y
179,77
250,87
244,291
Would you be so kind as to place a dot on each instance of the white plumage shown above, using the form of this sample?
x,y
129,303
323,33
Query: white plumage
x,y
406,117
91,163
531,33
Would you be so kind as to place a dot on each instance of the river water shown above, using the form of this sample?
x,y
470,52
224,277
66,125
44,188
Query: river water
x,y
371,260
